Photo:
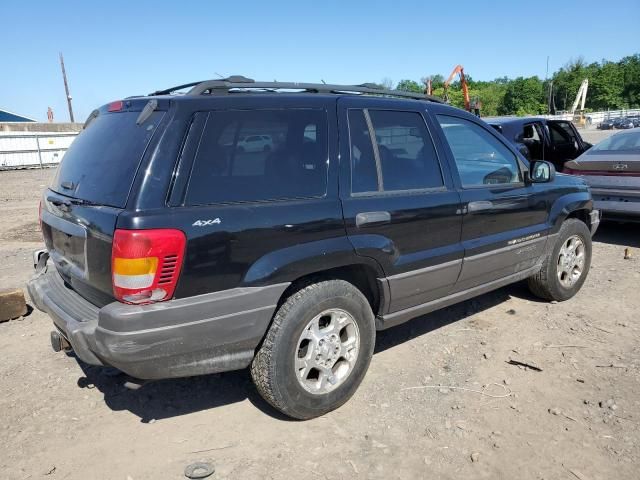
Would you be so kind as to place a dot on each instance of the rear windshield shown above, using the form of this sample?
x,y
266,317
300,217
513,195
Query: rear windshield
x,y
101,163
620,143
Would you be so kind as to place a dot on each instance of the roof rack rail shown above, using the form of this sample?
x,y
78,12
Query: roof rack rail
x,y
167,91
238,82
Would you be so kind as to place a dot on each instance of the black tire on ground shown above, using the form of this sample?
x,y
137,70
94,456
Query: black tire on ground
x,y
273,368
546,283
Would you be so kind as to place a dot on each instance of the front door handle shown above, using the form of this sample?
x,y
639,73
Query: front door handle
x,y
372,217
480,206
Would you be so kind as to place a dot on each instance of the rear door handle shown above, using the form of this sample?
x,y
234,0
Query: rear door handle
x,y
480,206
372,217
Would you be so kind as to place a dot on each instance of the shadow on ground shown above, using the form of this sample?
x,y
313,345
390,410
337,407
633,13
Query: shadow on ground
x,y
623,234
175,397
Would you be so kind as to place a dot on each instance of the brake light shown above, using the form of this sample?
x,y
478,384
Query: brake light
x,y
601,173
145,264
115,106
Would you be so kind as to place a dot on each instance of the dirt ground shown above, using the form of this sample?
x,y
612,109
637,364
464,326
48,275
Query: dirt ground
x,y
577,418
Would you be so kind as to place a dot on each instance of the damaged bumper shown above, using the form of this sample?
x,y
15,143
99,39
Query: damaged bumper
x,y
204,334
594,220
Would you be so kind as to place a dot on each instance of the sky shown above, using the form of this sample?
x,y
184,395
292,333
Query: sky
x,y
113,49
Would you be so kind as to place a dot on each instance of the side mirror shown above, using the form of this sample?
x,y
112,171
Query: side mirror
x,y
541,172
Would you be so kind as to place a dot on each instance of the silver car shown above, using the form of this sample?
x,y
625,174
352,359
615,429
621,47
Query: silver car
x,y
612,169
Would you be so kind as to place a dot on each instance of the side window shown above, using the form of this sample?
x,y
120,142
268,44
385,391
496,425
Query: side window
x,y
364,176
407,156
559,133
481,159
257,155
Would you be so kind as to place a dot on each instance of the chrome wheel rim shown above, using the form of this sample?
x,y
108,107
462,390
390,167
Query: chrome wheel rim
x,y
327,351
571,261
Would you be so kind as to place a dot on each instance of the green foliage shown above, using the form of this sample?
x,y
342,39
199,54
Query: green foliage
x,y
612,85
523,96
410,86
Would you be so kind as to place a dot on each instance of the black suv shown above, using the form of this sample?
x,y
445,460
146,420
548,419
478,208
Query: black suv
x,y
173,252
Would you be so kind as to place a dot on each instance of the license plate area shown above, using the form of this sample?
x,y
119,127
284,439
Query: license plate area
x,y
67,245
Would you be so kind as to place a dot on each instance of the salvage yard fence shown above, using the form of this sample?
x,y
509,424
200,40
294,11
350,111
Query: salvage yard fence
x,y
594,118
33,149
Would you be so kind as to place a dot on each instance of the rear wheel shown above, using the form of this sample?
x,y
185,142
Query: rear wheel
x,y
316,351
565,269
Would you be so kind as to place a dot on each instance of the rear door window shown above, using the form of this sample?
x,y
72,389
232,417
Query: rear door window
x,y
102,161
259,155
407,156
407,159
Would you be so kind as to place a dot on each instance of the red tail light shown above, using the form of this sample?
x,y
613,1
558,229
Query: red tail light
x,y
601,173
115,106
145,264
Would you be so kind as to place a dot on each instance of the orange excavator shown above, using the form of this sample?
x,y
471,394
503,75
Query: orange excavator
x,y
469,105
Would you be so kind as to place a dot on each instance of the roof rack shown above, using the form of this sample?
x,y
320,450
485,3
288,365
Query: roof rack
x,y
239,83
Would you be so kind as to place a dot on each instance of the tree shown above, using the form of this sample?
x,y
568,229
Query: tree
x,y
387,83
409,86
523,96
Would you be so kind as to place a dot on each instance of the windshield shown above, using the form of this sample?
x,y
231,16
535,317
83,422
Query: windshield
x,y
628,142
101,163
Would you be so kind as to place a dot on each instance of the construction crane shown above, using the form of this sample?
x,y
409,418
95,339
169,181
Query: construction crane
x,y
469,105
581,97
578,114
458,70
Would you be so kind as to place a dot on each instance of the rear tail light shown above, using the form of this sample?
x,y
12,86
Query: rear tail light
x,y
601,173
145,264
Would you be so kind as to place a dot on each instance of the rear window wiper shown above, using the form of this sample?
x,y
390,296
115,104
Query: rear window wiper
x,y
80,201
72,201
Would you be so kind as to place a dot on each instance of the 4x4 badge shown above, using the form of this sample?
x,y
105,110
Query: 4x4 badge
x,y
204,223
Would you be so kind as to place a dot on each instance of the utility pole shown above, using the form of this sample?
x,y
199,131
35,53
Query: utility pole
x,y
66,88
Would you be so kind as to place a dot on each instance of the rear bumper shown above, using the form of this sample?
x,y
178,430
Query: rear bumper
x,y
204,334
616,203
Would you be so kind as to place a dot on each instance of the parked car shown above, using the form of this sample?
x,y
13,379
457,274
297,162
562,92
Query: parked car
x,y
165,260
623,123
636,121
606,124
612,169
556,141
255,143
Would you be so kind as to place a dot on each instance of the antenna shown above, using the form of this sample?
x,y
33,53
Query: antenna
x,y
66,88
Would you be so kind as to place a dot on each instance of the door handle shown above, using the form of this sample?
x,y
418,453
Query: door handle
x,y
480,206
372,217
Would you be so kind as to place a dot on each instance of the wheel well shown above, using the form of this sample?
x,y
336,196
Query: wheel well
x,y
363,277
582,215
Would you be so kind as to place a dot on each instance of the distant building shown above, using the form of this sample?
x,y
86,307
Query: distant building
x,y
6,116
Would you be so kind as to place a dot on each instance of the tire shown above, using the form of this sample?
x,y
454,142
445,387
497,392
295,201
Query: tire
x,y
553,282
266,149
276,369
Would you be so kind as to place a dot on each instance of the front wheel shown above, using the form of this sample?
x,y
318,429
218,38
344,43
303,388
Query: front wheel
x,y
565,269
316,351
